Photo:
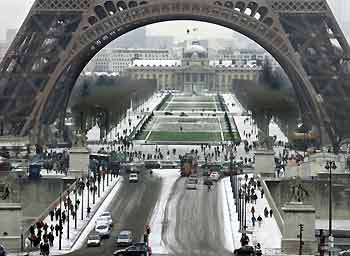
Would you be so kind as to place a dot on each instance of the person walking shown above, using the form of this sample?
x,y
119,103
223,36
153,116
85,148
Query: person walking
x,y
253,220
52,214
57,229
262,193
252,210
259,219
64,217
51,238
52,228
271,212
266,212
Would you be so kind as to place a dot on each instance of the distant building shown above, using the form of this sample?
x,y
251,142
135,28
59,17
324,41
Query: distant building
x,y
159,42
116,60
247,56
194,72
132,39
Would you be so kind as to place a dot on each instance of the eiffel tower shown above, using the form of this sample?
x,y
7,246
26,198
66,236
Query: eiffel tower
x,y
59,37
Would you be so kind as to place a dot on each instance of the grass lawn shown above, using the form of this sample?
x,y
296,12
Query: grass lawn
x,y
184,136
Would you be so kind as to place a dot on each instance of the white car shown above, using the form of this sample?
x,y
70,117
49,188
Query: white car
x,y
133,177
94,240
105,219
214,176
124,238
103,229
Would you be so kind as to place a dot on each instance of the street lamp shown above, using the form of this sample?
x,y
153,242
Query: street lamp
x,y
75,204
329,166
69,204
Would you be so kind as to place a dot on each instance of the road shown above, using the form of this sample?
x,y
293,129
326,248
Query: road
x,y
194,222
131,210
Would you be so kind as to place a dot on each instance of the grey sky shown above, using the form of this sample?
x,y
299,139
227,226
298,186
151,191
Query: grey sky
x,y
13,12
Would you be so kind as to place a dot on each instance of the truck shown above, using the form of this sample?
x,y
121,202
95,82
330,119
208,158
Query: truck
x,y
188,165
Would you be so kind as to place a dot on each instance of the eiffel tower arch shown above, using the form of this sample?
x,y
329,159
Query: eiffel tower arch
x,y
59,37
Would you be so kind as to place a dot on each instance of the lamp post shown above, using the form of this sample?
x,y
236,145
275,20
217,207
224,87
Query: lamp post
x,y
69,204
75,204
88,192
329,166
82,185
99,183
60,225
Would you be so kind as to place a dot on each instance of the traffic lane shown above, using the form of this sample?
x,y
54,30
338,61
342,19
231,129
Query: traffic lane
x,y
131,209
194,221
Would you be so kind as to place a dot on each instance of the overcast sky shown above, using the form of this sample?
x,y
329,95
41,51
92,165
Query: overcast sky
x,y
13,12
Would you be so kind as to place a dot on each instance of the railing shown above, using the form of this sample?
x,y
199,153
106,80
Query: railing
x,y
52,206
271,201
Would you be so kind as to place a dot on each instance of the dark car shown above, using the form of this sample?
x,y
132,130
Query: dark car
x,y
138,249
2,250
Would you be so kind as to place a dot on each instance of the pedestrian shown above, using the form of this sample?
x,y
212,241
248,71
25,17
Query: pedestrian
x,y
52,214
52,228
253,220
246,177
57,228
41,248
148,229
252,210
266,212
258,249
45,227
271,212
51,238
262,193
64,217
254,197
259,219
57,213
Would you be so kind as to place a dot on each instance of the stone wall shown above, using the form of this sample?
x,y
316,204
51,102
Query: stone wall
x,y
319,189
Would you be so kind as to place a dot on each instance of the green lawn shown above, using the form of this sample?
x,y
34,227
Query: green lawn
x,y
184,136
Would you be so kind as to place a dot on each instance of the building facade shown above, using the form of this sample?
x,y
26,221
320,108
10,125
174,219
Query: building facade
x,y
112,60
194,73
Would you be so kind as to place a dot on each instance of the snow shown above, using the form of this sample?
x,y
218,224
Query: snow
x,y
268,234
84,227
169,177
94,133
156,63
275,130
231,225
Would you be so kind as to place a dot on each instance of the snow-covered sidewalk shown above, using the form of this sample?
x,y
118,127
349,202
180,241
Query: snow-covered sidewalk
x,y
85,221
267,234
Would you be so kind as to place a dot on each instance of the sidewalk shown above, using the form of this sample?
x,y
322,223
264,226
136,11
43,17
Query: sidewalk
x,y
94,133
85,221
267,234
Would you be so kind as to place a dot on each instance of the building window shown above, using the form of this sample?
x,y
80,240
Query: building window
x,y
195,77
202,77
188,79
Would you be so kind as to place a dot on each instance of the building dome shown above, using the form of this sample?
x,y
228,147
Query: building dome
x,y
196,51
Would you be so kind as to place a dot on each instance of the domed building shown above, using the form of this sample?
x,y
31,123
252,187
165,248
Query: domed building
x,y
194,73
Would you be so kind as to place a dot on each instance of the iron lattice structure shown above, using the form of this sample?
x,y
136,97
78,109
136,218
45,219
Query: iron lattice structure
x,y
59,37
